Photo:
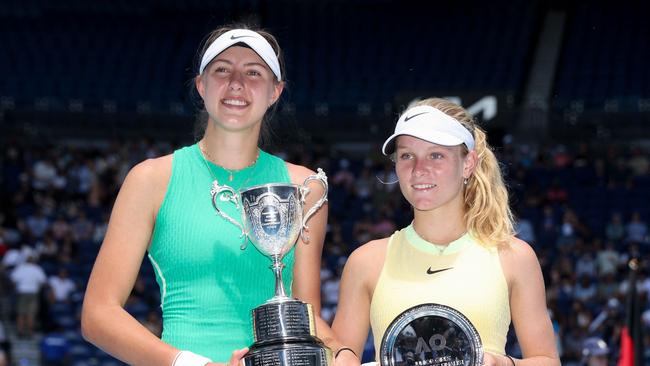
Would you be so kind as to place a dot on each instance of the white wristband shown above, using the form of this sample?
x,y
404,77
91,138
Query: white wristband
x,y
187,358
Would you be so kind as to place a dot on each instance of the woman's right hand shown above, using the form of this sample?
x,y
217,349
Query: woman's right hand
x,y
346,358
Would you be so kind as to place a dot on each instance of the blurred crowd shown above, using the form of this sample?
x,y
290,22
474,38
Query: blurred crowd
x,y
584,209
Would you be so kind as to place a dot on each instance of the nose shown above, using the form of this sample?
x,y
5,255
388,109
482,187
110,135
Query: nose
x,y
236,81
420,167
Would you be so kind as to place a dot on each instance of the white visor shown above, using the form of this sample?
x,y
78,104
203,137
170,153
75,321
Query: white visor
x,y
252,39
432,125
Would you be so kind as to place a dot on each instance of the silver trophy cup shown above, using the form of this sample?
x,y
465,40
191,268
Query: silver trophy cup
x,y
272,218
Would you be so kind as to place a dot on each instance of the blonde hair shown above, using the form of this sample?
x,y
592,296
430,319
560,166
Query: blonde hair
x,y
487,212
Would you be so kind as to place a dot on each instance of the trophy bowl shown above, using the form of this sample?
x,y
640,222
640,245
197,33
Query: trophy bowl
x,y
273,217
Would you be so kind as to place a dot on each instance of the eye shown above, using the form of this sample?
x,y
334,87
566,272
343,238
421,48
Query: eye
x,y
220,69
405,156
436,156
254,72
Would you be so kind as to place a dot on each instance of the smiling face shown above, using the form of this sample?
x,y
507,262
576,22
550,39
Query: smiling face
x,y
237,88
431,176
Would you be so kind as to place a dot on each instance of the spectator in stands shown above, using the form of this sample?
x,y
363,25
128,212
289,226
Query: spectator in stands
x,y
607,287
636,230
82,175
556,193
143,293
450,176
60,227
363,230
16,254
82,228
549,228
525,230
330,289
208,285
47,249
11,168
384,224
327,278
594,352
55,348
586,265
28,278
581,314
561,157
614,229
44,173
100,230
638,162
343,177
585,290
607,259
61,286
364,183
570,230
607,314
38,223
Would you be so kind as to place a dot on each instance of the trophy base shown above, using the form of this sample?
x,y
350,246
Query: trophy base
x,y
283,320
284,333
289,354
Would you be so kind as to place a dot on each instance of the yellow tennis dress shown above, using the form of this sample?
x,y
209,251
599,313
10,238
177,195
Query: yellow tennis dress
x,y
464,275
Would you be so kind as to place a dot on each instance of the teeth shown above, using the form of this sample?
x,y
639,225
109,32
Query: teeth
x,y
234,102
423,186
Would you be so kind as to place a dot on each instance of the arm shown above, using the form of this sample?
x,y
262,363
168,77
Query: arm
x,y
306,279
104,322
352,319
528,307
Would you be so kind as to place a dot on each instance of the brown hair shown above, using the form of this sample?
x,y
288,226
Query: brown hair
x,y
202,117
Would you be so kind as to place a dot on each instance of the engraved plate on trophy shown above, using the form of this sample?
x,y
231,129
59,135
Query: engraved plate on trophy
x,y
431,335
272,218
299,321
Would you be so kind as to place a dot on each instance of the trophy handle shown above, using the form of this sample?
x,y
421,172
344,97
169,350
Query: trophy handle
x,y
304,191
228,195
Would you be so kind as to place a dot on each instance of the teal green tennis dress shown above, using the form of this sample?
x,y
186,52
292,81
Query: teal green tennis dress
x,y
208,285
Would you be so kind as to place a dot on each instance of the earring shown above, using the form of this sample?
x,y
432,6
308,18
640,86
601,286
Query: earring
x,y
465,181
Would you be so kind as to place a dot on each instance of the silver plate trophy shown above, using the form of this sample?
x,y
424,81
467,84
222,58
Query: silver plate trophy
x,y
284,330
431,335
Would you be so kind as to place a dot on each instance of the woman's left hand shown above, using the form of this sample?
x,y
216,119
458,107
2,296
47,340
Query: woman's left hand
x,y
235,358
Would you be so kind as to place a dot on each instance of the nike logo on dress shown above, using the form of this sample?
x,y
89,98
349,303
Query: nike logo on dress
x,y
238,37
413,116
430,271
